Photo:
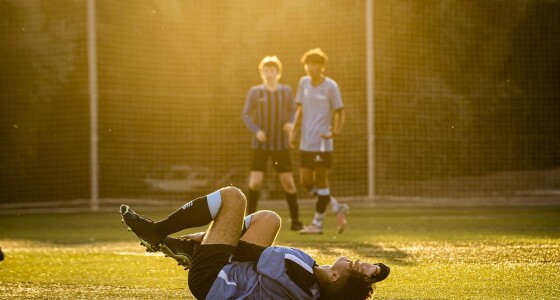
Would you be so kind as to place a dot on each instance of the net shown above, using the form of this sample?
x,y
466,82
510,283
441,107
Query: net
x,y
466,95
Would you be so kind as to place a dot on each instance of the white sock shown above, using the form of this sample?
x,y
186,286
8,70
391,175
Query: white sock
x,y
334,205
318,219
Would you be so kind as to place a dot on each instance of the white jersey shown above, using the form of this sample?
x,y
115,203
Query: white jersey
x,y
318,104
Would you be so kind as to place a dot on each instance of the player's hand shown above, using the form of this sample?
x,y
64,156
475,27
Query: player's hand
x,y
293,138
288,127
328,135
195,237
363,268
261,136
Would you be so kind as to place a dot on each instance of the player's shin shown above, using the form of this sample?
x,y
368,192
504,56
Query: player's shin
x,y
196,213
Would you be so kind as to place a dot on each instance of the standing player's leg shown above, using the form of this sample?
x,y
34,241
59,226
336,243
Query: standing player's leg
x,y
323,199
283,166
289,186
307,178
256,177
255,184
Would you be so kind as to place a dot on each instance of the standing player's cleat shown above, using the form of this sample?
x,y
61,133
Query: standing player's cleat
x,y
180,249
311,229
143,227
343,210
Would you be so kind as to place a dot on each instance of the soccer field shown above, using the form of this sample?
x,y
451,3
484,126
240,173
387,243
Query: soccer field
x,y
435,253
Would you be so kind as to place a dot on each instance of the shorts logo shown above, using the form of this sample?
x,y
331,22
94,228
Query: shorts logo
x,y
187,205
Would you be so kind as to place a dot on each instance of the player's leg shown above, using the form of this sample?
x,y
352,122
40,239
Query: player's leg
x,y
283,166
307,178
258,167
259,231
196,213
228,223
322,165
289,186
262,228
323,198
255,184
219,244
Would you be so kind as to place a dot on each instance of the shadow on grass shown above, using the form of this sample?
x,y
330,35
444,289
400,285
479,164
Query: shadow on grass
x,y
362,250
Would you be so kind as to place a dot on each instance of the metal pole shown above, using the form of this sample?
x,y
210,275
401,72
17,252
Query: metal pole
x,y
93,93
370,97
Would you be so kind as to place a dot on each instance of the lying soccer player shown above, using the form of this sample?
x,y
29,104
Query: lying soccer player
x,y
234,258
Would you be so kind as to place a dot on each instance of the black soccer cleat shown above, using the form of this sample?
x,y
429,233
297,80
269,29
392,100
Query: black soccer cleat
x,y
143,227
180,249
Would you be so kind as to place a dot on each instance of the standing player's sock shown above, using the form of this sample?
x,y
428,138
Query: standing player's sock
x,y
293,206
318,220
323,200
195,213
246,224
252,198
335,206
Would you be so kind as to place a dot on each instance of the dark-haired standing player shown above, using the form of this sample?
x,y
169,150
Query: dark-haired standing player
x,y
319,119
268,113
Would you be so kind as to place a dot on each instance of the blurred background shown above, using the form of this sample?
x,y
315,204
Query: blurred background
x,y
466,96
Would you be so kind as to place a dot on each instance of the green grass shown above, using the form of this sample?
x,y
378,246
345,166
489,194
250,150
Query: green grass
x,y
435,253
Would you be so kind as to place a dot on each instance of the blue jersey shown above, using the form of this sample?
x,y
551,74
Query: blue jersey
x,y
280,273
268,111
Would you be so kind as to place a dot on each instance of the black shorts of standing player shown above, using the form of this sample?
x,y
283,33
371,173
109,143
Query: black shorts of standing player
x,y
280,158
312,160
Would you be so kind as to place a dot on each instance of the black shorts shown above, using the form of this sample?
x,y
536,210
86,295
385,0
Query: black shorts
x,y
312,160
280,158
208,261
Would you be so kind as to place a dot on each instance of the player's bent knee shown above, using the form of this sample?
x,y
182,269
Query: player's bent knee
x,y
272,219
234,196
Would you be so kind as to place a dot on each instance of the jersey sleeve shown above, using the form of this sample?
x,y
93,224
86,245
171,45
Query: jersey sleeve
x,y
335,98
250,105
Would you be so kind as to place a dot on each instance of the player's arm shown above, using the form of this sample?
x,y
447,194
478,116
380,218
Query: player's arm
x,y
338,121
295,131
290,112
248,110
250,104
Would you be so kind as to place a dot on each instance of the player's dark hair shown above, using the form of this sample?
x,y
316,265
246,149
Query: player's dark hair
x,y
314,56
355,287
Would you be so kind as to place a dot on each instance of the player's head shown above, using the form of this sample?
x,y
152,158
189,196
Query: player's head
x,y
314,62
270,68
353,279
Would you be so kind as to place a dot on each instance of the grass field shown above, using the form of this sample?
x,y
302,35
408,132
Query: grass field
x,y
435,253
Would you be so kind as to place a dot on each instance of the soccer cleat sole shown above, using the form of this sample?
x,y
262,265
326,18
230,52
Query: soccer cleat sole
x,y
182,260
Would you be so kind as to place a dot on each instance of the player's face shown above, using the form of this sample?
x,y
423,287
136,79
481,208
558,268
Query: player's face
x,y
270,74
314,70
344,265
